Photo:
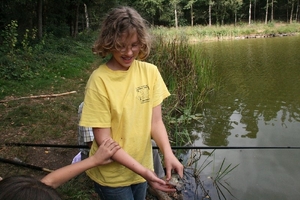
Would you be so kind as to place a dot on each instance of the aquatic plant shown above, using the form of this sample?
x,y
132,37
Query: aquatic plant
x,y
205,183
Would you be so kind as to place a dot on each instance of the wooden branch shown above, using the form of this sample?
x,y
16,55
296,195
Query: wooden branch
x,y
39,96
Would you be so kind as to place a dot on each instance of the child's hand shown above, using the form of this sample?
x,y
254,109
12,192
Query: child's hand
x,y
105,151
172,163
157,183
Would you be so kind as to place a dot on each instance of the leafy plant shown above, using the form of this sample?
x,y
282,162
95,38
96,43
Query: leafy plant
x,y
9,35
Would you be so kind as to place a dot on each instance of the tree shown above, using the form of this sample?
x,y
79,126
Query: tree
x,y
266,16
75,33
292,10
249,12
223,6
40,18
190,6
254,10
272,10
210,4
86,14
235,5
297,11
151,7
174,4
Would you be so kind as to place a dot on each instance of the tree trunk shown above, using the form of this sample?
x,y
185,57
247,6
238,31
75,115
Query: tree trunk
x,y
40,19
297,11
192,16
176,20
287,11
209,12
272,11
235,17
249,12
223,15
87,21
292,11
254,11
76,21
267,8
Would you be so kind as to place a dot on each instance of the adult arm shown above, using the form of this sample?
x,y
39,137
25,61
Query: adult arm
x,y
160,136
101,157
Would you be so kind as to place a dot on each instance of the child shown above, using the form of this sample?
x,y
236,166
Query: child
x,y
123,100
29,188
85,136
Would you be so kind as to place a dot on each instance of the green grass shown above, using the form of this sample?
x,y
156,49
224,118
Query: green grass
x,y
206,33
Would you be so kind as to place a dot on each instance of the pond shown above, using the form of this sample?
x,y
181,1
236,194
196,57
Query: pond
x,y
258,105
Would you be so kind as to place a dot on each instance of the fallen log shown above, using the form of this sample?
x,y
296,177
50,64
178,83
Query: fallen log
x,y
38,96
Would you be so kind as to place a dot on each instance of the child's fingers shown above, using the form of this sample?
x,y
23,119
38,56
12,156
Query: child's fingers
x,y
112,144
115,147
168,174
107,142
104,142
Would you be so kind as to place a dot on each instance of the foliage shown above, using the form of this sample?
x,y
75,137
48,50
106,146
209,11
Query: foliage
x,y
184,71
9,35
30,59
68,17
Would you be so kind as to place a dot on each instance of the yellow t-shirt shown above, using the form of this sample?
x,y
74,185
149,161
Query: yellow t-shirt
x,y
123,101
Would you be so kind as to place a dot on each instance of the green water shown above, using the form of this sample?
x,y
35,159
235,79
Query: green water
x,y
258,105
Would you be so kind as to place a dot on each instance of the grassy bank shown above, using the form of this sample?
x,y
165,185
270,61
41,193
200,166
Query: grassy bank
x,y
229,32
58,65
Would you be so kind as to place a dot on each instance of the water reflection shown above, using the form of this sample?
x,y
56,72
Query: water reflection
x,y
258,105
259,79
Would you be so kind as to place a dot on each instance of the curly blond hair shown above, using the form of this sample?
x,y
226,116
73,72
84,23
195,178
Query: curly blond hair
x,y
119,21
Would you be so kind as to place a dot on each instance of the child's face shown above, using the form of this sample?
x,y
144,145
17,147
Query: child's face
x,y
125,55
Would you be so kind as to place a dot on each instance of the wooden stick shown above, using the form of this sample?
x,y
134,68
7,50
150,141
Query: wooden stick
x,y
39,96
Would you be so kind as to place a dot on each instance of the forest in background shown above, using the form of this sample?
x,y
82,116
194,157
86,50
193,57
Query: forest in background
x,y
70,17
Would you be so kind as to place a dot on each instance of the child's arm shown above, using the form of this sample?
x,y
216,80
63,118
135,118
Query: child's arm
x,y
105,151
125,159
160,136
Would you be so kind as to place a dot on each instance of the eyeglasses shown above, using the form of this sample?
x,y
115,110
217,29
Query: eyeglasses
x,y
133,47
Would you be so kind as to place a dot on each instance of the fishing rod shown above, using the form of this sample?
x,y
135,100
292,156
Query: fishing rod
x,y
48,145
19,163
173,147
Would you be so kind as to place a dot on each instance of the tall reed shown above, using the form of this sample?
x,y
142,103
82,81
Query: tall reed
x,y
189,77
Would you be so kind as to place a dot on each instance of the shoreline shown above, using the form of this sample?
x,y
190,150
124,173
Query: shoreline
x,y
244,37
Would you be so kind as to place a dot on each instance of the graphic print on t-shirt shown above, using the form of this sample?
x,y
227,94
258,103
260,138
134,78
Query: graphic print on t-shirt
x,y
143,93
